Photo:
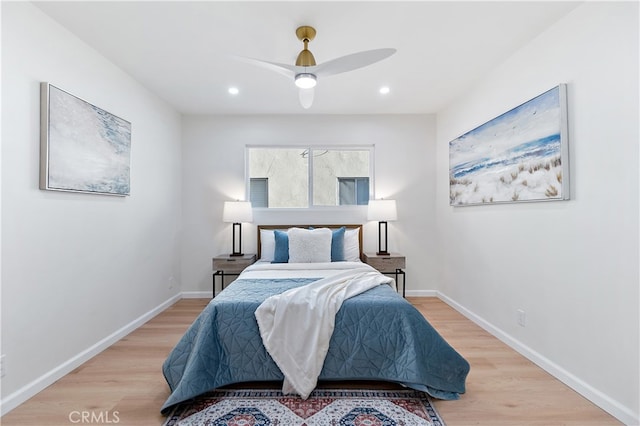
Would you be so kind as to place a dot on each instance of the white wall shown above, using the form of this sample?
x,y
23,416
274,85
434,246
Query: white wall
x,y
571,266
77,268
213,172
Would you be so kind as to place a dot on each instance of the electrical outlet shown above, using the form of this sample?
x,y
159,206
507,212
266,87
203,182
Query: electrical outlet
x,y
2,366
522,318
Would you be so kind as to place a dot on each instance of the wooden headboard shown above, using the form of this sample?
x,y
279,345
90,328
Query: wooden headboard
x,y
285,227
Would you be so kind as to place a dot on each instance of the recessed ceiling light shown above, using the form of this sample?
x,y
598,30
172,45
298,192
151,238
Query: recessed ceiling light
x,y
233,90
384,90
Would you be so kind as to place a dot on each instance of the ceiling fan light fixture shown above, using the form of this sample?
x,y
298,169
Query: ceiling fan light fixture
x,y
305,80
306,97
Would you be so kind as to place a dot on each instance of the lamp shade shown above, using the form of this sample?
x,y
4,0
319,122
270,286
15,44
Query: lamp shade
x,y
382,210
237,212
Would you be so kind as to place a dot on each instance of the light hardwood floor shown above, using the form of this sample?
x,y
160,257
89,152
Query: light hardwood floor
x,y
124,384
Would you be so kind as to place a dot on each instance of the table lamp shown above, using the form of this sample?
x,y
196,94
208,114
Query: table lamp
x,y
382,211
237,212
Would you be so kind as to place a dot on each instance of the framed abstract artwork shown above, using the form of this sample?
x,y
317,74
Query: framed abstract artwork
x,y
83,148
519,156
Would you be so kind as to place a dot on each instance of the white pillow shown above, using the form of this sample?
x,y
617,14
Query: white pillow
x,y
267,245
352,245
309,245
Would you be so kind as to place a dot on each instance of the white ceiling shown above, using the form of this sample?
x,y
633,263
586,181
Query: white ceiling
x,y
183,51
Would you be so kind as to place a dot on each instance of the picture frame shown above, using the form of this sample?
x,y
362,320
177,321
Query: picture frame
x,y
83,148
520,156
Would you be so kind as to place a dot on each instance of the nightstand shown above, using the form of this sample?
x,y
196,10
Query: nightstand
x,y
392,263
225,265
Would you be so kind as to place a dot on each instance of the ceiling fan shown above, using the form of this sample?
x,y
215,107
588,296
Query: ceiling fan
x,y
306,72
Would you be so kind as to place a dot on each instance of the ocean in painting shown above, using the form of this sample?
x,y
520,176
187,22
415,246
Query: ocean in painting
x,y
514,157
89,148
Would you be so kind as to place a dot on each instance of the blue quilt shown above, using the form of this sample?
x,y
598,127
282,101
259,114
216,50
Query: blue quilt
x,y
378,335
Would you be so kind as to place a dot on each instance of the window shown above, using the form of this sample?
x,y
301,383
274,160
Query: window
x,y
259,192
303,177
353,191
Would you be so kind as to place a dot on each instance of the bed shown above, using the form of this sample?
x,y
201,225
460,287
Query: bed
x,y
377,335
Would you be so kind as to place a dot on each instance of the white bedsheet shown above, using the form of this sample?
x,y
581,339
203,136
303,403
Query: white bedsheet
x,y
296,326
263,269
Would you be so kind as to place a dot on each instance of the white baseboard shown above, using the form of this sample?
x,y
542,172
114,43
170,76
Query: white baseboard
x,y
21,395
619,411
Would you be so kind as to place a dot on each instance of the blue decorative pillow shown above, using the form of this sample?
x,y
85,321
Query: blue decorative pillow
x,y
281,252
337,245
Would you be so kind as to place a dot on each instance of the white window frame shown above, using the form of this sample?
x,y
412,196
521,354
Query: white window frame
x,y
310,206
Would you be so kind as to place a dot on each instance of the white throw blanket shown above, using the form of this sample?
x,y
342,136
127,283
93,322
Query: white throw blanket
x,y
296,326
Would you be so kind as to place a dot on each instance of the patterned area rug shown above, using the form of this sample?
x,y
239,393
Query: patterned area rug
x,y
330,407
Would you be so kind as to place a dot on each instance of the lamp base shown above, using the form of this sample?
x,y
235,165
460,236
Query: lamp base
x,y
382,248
236,250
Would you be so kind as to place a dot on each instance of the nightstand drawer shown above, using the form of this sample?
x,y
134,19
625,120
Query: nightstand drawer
x,y
232,264
385,263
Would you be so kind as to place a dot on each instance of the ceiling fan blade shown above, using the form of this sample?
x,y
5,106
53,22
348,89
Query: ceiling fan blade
x,y
283,69
306,97
352,62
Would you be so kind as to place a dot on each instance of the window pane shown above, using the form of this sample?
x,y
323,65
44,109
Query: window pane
x,y
362,191
287,172
346,191
259,192
329,165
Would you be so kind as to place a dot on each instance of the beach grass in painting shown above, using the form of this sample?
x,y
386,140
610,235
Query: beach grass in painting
x,y
84,148
522,155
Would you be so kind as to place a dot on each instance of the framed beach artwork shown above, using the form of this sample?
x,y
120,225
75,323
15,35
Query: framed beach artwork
x,y
83,148
519,156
